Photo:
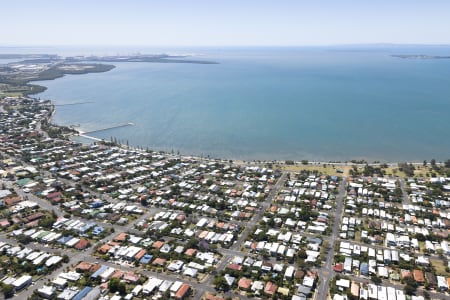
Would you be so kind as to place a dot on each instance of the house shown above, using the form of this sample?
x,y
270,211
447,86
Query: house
x,y
418,276
190,252
354,289
68,293
59,283
364,269
159,261
442,283
234,267
183,291
22,282
83,293
257,286
121,237
244,283
83,267
229,279
175,266
289,273
82,244
158,244
344,283
146,259
338,268
270,288
348,265
283,291
190,272
47,291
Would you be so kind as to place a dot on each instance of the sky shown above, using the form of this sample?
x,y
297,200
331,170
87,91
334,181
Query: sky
x,y
224,22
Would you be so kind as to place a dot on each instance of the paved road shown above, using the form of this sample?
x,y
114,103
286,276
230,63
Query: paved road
x,y
326,271
234,249
406,199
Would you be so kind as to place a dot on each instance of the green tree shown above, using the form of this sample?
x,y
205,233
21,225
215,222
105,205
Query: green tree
x,y
113,285
220,283
375,279
8,290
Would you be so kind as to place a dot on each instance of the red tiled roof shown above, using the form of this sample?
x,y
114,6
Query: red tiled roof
x,y
82,244
83,266
184,289
418,276
158,244
190,252
234,267
270,288
121,237
244,283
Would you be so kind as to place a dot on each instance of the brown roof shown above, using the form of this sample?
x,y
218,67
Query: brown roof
x,y
159,261
83,266
158,244
35,216
220,224
418,276
82,244
244,283
121,237
104,249
117,274
12,200
95,267
234,267
4,223
209,296
338,268
54,195
182,291
32,224
190,252
140,254
270,288
130,277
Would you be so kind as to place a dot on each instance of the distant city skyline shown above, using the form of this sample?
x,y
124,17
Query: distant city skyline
x,y
224,23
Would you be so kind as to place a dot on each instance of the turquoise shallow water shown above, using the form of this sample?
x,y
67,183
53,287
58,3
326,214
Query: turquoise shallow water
x,y
272,103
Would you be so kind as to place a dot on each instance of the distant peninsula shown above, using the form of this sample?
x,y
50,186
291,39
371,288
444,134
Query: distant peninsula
x,y
15,77
420,56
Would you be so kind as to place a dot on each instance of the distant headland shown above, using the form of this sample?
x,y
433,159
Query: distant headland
x,y
15,77
421,56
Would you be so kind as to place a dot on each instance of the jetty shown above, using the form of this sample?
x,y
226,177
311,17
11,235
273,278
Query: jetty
x,y
75,103
90,137
110,127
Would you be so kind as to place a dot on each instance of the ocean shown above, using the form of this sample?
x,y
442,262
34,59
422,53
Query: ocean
x,y
315,103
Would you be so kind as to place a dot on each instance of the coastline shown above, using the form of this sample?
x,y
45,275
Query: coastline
x,y
332,168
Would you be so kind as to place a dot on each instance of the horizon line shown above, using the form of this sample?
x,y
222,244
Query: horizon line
x,y
227,45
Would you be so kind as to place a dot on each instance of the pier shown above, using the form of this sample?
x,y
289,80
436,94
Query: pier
x,y
108,128
75,103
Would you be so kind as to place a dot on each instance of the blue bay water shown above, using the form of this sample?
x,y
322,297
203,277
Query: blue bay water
x,y
272,103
